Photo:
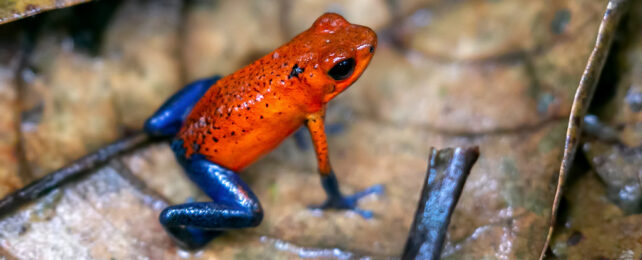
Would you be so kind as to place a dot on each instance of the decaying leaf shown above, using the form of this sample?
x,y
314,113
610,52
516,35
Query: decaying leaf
x,y
11,10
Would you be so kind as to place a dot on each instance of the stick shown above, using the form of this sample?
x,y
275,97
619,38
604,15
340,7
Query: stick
x,y
614,11
447,172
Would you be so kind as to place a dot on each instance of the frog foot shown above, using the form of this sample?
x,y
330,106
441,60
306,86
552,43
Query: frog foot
x,y
350,202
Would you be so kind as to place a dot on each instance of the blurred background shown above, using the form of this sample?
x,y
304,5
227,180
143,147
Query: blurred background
x,y
495,73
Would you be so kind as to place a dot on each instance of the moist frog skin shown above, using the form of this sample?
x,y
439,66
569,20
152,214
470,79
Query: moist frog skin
x,y
222,125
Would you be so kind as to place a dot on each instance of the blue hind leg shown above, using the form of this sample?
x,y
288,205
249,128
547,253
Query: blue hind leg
x,y
233,204
168,119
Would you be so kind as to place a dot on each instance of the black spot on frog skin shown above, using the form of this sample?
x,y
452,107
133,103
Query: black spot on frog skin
x,y
296,70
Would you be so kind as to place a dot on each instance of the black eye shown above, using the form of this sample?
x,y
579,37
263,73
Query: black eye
x,y
342,70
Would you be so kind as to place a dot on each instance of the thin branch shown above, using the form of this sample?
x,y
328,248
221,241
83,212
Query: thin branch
x,y
612,16
447,172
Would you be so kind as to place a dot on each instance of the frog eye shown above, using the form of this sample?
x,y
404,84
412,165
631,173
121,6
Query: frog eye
x,y
342,70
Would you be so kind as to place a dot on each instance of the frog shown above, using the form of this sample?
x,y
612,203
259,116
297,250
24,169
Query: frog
x,y
221,125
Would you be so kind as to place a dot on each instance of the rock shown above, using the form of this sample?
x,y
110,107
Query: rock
x,y
143,60
593,227
9,120
99,217
621,170
299,15
68,107
221,37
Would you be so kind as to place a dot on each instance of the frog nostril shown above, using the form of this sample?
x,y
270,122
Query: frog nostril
x,y
371,49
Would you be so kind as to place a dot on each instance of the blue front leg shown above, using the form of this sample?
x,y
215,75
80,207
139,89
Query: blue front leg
x,y
168,119
233,204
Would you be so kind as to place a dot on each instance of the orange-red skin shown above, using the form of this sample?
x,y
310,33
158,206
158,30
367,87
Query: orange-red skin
x,y
248,113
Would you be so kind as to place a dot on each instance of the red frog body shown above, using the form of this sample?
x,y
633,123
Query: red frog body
x,y
221,125
248,113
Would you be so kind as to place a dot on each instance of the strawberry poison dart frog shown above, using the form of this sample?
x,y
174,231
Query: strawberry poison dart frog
x,y
221,125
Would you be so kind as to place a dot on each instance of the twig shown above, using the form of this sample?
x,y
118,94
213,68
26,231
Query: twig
x,y
71,171
447,172
612,16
